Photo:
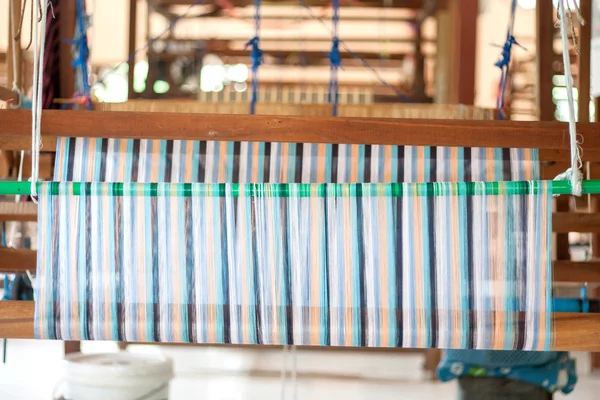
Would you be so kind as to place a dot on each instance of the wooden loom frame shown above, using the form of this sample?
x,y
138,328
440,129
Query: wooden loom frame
x,y
572,331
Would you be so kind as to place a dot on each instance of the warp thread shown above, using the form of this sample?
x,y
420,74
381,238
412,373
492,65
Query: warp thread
x,y
257,56
335,60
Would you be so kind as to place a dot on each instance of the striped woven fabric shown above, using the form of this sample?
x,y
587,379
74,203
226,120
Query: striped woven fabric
x,y
119,160
451,265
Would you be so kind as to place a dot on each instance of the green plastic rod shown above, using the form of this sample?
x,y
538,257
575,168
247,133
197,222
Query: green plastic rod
x,y
12,188
15,188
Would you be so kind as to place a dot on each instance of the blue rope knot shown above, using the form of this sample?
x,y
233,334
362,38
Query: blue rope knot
x,y
256,53
506,49
334,56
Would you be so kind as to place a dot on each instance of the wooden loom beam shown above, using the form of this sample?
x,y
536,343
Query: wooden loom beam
x,y
15,131
572,331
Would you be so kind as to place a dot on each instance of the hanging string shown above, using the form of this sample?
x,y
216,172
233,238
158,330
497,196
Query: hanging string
x,y
36,106
364,62
256,54
335,60
504,62
16,49
573,173
80,62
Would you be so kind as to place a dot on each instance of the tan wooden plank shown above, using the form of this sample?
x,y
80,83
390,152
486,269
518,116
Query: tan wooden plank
x,y
22,212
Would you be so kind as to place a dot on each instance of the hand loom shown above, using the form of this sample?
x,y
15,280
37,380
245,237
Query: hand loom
x,y
265,297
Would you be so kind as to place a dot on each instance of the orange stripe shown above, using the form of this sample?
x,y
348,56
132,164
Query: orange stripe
x,y
490,163
315,288
348,270
419,283
455,265
176,269
353,165
154,156
221,162
284,162
384,311
189,157
211,310
387,164
320,162
421,161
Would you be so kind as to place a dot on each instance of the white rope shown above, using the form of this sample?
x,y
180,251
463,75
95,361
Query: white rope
x,y
13,227
36,103
574,174
16,47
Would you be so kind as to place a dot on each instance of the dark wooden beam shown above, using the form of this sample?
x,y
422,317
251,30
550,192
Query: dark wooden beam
x,y
565,222
463,14
15,129
584,62
576,272
545,56
132,47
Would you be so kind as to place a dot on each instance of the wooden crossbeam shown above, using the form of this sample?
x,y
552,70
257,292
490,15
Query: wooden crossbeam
x,y
17,260
22,260
576,272
15,130
21,212
572,331
565,222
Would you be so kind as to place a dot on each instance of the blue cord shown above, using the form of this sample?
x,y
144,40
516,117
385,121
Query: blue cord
x,y
256,54
504,62
335,61
81,47
364,62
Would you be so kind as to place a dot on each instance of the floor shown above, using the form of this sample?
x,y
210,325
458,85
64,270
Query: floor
x,y
33,369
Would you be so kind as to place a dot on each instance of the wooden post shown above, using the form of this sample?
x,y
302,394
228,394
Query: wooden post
x,y
463,14
545,59
14,47
132,47
444,61
584,62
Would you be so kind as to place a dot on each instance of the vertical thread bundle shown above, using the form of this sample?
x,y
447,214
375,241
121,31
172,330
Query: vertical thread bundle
x,y
344,265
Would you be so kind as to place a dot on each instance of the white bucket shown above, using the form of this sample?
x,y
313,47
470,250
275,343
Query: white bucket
x,y
117,376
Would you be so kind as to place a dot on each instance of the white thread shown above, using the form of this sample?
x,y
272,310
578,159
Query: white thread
x,y
36,103
16,46
575,174
590,252
13,227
